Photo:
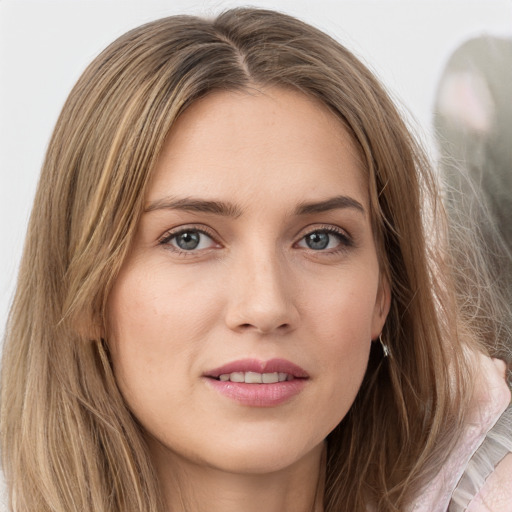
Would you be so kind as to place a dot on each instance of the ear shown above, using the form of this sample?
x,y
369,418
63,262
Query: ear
x,y
382,305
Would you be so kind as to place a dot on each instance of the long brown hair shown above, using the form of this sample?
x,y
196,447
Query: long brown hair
x,y
68,441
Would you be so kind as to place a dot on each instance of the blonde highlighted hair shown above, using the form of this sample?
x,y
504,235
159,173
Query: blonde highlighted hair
x,y
69,443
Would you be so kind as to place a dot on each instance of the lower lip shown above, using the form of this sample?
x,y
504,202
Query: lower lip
x,y
259,395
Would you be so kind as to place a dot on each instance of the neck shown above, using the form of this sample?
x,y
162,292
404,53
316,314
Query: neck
x,y
191,487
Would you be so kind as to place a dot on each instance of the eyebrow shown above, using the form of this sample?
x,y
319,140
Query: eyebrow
x,y
192,204
232,210
333,203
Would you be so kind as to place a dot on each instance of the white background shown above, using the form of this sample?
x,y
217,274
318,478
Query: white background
x,y
45,45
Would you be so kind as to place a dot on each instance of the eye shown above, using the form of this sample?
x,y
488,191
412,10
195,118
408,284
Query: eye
x,y
325,239
188,240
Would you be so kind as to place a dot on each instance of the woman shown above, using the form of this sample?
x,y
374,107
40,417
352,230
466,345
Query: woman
x,y
227,299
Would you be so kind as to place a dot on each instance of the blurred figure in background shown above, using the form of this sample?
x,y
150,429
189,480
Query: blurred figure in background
x,y
473,126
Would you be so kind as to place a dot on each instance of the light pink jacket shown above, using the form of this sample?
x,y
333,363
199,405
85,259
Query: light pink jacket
x,y
492,398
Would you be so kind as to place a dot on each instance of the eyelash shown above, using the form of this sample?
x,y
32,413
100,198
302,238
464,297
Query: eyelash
x,y
345,240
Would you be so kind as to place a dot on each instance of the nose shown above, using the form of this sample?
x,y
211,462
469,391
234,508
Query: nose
x,y
262,298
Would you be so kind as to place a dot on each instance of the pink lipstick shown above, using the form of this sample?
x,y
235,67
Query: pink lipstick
x,y
257,383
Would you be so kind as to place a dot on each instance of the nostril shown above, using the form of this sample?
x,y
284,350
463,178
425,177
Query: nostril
x,y
247,326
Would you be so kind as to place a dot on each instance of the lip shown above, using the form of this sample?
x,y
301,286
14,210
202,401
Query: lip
x,y
255,365
259,395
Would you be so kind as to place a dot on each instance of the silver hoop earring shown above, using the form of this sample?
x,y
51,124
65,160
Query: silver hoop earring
x,y
385,348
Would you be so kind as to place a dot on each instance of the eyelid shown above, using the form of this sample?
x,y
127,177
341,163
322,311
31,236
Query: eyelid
x,y
332,228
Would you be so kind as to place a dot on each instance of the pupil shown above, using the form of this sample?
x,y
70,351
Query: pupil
x,y
317,240
188,240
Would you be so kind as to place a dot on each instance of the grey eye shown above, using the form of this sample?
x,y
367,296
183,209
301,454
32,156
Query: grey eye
x,y
318,240
188,241
324,239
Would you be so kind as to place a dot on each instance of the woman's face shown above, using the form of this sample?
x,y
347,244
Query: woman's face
x,y
254,261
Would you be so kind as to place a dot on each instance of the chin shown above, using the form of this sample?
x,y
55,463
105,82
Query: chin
x,y
260,456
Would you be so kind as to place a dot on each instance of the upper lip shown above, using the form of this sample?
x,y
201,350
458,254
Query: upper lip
x,y
255,365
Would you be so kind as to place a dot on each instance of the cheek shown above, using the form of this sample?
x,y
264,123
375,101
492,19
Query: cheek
x,y
157,305
343,326
343,311
346,344
157,324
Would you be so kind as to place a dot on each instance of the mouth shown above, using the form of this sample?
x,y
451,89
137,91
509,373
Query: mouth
x,y
257,383
254,371
255,377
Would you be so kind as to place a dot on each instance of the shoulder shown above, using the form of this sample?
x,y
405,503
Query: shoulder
x,y
471,474
486,484
496,493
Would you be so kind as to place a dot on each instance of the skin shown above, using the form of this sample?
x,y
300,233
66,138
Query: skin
x,y
253,288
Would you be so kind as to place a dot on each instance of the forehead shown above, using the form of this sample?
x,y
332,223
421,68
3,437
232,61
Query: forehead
x,y
256,142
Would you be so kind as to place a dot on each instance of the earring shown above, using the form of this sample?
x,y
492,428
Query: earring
x,y
385,348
